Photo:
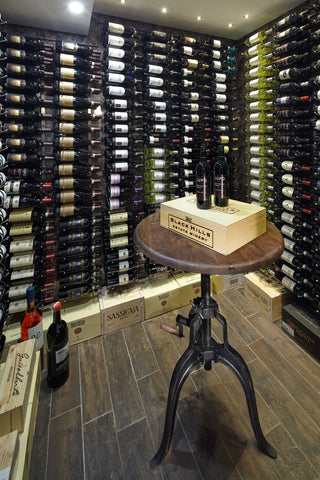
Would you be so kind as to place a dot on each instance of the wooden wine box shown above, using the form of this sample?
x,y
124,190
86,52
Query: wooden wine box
x,y
222,229
190,285
9,447
161,294
15,386
267,294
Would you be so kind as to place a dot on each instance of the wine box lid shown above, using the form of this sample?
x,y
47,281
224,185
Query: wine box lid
x,y
222,229
15,386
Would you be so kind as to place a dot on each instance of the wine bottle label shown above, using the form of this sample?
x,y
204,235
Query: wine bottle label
x,y
158,198
287,178
120,153
192,63
118,217
158,187
288,191
11,52
66,210
121,128
115,77
21,274
66,142
194,96
287,165
116,66
115,41
317,124
288,217
158,128
216,54
116,28
160,106
287,257
120,167
21,245
36,332
158,175
187,50
14,68
124,278
67,73
116,52
18,290
121,141
12,186
255,184
255,195
220,186
123,253
154,69
65,183
217,64
187,83
15,142
288,231
17,306
153,92
66,156
61,358
17,261
120,116
66,59
114,192
288,205
10,202
123,266
67,196
119,242
155,81
287,282
66,100
287,271
67,114
115,90
21,215
285,74
158,163
116,229
66,87
255,172
289,244
114,179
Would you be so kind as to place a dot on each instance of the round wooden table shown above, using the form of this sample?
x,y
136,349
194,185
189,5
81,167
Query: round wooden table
x,y
175,251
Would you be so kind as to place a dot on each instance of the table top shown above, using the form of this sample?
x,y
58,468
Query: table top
x,y
175,251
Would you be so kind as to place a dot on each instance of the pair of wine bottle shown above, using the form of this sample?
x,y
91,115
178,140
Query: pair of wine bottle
x,y
205,187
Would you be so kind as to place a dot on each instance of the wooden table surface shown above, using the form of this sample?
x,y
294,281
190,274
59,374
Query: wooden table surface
x,y
173,250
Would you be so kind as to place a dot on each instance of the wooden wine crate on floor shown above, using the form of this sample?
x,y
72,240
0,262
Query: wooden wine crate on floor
x,y
303,326
222,229
190,285
222,283
9,447
121,308
267,294
161,294
15,386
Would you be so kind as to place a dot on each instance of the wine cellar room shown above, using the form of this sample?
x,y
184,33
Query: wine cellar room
x,y
159,173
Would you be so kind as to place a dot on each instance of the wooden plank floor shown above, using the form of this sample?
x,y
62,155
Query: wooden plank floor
x,y
106,422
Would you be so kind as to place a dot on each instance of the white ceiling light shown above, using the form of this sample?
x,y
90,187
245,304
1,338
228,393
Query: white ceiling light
x,y
164,10
230,25
199,18
76,7
246,16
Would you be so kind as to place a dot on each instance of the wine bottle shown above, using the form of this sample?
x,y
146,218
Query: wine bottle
x,y
74,74
57,349
23,114
78,49
73,142
21,84
71,88
21,41
31,322
203,181
18,201
221,179
69,60
24,129
71,115
119,29
24,56
70,101
28,71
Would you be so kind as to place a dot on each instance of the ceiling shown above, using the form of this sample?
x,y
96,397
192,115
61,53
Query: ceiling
x,y
54,14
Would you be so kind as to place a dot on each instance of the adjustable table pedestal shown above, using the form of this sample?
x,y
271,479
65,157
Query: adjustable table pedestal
x,y
178,252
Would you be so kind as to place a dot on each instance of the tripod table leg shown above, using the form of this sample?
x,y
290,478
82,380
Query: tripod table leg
x,y
183,368
232,359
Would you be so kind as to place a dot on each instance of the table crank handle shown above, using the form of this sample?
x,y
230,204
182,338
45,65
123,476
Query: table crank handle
x,y
173,331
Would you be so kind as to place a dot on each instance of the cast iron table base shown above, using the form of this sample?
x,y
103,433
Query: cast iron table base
x,y
204,349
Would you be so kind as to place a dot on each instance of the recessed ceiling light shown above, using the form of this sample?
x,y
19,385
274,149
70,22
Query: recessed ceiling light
x,y
164,10
230,25
75,7
199,18
246,15
123,2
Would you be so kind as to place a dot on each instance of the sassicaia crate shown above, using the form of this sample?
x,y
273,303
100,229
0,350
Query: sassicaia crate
x,y
222,229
